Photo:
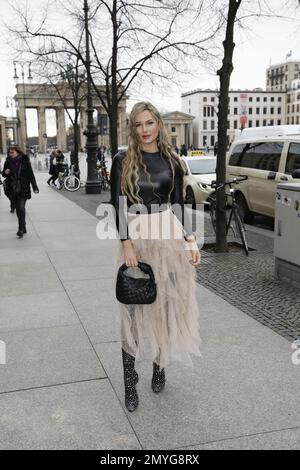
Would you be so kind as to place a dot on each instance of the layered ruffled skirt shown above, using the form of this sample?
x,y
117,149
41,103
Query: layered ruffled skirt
x,y
170,323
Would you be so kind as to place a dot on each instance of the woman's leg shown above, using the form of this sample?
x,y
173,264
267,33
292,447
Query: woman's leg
x,y
21,213
12,205
130,380
158,377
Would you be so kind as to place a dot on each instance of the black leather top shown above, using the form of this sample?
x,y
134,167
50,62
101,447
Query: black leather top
x,y
155,193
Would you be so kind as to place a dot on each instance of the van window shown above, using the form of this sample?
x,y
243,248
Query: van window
x,y
293,159
259,155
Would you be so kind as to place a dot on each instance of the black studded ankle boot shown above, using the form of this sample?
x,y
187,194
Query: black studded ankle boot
x,y
131,378
158,378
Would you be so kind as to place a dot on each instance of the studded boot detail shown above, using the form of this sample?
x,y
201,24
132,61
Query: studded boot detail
x,y
131,378
158,378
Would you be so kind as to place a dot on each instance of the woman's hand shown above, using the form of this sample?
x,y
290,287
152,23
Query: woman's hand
x,y
7,171
196,257
129,254
194,250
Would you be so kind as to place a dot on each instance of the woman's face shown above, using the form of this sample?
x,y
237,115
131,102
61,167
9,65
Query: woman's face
x,y
147,127
13,153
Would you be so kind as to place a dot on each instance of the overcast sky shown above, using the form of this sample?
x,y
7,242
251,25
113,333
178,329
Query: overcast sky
x,y
268,41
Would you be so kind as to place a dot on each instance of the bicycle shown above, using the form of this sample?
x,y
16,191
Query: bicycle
x,y
103,175
234,215
68,180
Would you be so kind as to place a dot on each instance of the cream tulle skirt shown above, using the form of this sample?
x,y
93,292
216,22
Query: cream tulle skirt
x,y
170,324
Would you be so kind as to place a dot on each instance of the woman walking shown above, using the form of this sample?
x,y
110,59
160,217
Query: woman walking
x,y
151,174
18,177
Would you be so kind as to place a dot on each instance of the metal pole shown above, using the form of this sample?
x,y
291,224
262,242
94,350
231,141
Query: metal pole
x,y
92,185
25,117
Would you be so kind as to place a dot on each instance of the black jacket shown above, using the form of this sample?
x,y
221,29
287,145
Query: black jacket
x,y
26,177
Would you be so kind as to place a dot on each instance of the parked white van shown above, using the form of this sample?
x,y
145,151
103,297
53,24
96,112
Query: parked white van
x,y
268,156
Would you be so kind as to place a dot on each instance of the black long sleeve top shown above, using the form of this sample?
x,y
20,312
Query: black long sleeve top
x,y
156,193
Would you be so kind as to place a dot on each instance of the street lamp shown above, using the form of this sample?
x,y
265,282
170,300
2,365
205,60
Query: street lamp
x,y
10,104
92,185
16,78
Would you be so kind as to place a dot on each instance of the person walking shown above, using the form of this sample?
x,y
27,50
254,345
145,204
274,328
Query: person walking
x,y
19,176
183,151
150,174
52,168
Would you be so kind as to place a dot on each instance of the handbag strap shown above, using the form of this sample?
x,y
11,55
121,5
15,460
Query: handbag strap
x,y
146,268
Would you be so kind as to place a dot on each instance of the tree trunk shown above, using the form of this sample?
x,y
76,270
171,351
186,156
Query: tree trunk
x,y
224,74
76,144
113,112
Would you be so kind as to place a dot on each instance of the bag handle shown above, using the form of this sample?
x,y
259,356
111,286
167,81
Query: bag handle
x,y
145,267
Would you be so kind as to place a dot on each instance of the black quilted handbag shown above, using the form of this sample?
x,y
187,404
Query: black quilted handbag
x,y
130,290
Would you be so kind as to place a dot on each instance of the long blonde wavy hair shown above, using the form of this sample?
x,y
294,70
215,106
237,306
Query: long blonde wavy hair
x,y
133,158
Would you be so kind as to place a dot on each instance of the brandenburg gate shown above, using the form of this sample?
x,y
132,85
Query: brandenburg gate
x,y
60,98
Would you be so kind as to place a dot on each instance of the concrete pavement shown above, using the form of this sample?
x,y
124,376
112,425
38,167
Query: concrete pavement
x,y
61,386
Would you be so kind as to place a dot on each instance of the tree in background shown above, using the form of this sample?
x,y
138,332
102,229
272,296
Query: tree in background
x,y
134,43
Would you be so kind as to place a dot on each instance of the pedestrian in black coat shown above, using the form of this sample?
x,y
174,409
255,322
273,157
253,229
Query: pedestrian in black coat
x,y
18,178
53,169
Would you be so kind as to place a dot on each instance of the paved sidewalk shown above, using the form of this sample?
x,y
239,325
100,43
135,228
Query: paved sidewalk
x,y
61,387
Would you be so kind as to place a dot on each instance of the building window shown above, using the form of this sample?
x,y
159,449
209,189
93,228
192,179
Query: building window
x,y
293,120
288,120
297,120
250,123
235,111
250,99
204,111
204,140
228,125
297,108
264,122
173,129
257,110
264,110
293,108
208,111
272,99
205,125
265,99
272,110
279,111
235,124
257,123
250,110
204,99
212,100
190,111
288,109
212,125
278,122
189,102
279,99
235,99
212,112
271,122
257,99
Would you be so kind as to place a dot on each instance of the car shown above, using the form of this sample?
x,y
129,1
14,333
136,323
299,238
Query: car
x,y
200,172
267,156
